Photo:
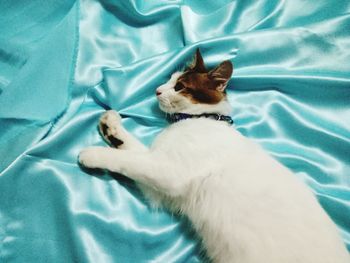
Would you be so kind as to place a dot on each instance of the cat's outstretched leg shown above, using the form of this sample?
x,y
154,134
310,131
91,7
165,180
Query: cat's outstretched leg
x,y
140,166
115,134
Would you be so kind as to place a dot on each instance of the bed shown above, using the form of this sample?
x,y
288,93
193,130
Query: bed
x,y
63,63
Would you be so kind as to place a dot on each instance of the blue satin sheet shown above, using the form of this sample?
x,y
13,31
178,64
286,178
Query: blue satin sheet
x,y
63,63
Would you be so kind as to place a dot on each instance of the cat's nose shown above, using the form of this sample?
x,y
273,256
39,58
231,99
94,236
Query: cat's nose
x,y
158,93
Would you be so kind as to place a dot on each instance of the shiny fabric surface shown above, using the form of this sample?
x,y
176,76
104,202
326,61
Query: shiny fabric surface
x,y
63,63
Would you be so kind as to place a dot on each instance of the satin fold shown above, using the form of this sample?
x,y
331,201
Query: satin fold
x,y
63,64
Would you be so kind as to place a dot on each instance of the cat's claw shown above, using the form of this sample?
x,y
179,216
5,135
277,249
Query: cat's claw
x,y
110,123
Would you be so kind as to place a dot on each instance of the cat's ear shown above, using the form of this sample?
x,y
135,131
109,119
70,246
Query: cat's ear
x,y
197,64
221,74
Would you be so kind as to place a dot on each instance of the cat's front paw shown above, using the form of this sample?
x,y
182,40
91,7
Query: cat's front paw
x,y
111,116
110,127
89,157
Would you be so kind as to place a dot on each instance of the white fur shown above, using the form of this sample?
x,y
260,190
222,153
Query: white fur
x,y
246,206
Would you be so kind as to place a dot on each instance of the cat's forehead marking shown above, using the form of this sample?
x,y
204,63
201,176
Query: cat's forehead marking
x,y
196,81
199,88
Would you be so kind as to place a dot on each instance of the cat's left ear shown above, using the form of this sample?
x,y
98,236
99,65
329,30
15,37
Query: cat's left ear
x,y
221,74
197,64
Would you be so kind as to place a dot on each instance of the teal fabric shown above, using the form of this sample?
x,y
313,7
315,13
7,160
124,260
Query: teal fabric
x,y
63,63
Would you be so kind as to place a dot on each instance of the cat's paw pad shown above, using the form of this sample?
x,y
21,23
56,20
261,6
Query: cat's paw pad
x,y
89,157
110,126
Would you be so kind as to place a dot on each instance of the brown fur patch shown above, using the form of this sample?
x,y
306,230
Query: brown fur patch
x,y
199,88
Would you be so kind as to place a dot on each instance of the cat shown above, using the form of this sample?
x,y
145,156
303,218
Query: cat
x,y
245,206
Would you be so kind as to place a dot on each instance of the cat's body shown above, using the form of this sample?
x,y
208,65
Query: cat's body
x,y
246,206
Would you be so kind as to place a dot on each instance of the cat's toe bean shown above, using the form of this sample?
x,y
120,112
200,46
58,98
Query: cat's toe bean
x,y
103,129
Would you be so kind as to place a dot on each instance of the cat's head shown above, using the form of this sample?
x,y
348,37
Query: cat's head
x,y
196,90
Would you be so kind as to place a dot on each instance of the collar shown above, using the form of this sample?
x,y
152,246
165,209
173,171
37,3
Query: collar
x,y
175,117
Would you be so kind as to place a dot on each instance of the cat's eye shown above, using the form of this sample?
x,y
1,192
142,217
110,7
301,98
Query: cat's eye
x,y
179,86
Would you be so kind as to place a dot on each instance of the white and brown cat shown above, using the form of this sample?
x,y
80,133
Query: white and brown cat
x,y
246,207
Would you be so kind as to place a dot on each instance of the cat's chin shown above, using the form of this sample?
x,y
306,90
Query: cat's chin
x,y
166,109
